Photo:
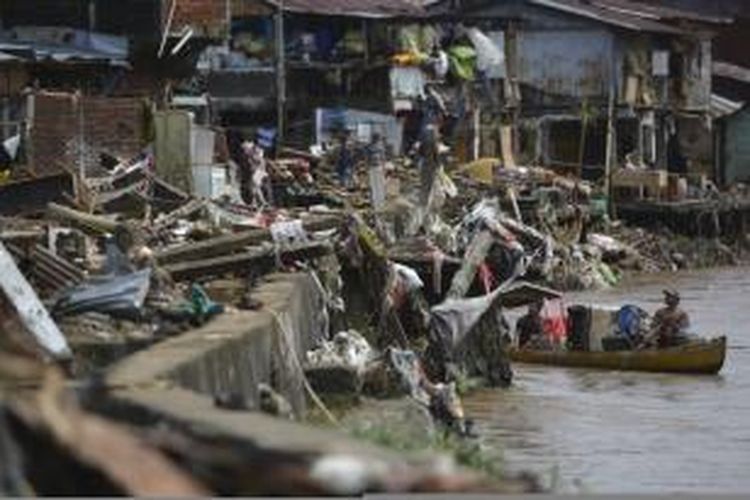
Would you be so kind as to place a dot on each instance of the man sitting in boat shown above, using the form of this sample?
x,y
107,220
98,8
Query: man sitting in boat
x,y
670,323
529,328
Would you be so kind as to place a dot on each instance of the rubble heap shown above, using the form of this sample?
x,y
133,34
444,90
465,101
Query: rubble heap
x,y
423,274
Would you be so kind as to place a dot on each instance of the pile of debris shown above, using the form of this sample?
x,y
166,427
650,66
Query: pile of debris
x,y
131,260
422,257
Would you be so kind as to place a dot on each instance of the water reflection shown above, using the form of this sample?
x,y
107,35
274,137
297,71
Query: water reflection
x,y
606,431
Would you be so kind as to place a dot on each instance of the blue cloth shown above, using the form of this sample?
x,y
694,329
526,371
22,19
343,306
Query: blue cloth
x,y
266,137
629,320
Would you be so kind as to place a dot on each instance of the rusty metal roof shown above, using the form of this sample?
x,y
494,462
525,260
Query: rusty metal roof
x,y
659,12
352,8
593,9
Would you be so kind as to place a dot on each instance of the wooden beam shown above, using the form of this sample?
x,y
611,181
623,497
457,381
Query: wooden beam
x,y
475,255
261,259
229,243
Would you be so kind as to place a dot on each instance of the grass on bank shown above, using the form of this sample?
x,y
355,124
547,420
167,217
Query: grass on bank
x,y
466,452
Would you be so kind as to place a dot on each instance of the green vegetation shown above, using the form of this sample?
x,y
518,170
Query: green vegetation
x,y
465,452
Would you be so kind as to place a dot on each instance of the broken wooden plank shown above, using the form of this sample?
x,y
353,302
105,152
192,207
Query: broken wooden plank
x,y
22,235
83,221
475,255
59,440
34,318
229,243
184,211
246,263
126,233
46,270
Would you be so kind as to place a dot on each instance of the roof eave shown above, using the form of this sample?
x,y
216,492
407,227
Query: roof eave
x,y
656,27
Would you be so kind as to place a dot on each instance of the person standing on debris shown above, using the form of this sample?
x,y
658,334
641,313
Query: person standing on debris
x,y
258,173
428,161
345,161
670,322
529,329
376,170
236,143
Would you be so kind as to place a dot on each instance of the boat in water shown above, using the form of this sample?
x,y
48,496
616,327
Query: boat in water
x,y
607,338
703,357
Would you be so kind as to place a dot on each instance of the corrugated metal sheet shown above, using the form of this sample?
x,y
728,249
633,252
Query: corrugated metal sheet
x,y
352,8
721,106
609,16
44,43
7,58
45,52
728,70
566,63
659,12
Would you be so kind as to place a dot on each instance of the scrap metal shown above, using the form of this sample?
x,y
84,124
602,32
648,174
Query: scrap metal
x,y
30,311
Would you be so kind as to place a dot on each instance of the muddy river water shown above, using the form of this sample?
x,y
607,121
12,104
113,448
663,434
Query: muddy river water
x,y
600,431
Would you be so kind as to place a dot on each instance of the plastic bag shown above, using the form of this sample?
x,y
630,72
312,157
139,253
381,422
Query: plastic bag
x,y
488,55
463,59
411,279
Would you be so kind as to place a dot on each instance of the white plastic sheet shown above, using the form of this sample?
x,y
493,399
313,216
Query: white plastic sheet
x,y
489,56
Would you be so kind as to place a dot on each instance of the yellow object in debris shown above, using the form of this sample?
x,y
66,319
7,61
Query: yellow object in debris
x,y
4,176
482,170
370,241
409,59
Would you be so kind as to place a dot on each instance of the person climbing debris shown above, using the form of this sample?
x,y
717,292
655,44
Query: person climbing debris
x,y
428,161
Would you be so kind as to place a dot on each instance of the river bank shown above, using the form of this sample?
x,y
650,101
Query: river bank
x,y
587,431
606,432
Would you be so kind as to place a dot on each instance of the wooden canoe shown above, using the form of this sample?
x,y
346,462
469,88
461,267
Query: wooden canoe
x,y
699,358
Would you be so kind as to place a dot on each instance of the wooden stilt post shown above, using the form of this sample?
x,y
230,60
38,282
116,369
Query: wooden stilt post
x,y
280,77
610,149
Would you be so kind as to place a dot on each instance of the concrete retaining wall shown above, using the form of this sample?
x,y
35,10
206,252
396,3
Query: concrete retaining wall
x,y
237,350
173,383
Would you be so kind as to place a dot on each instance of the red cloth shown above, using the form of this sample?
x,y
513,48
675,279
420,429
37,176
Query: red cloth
x,y
485,275
555,320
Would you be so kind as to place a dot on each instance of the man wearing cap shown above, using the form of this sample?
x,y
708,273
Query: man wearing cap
x,y
670,322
